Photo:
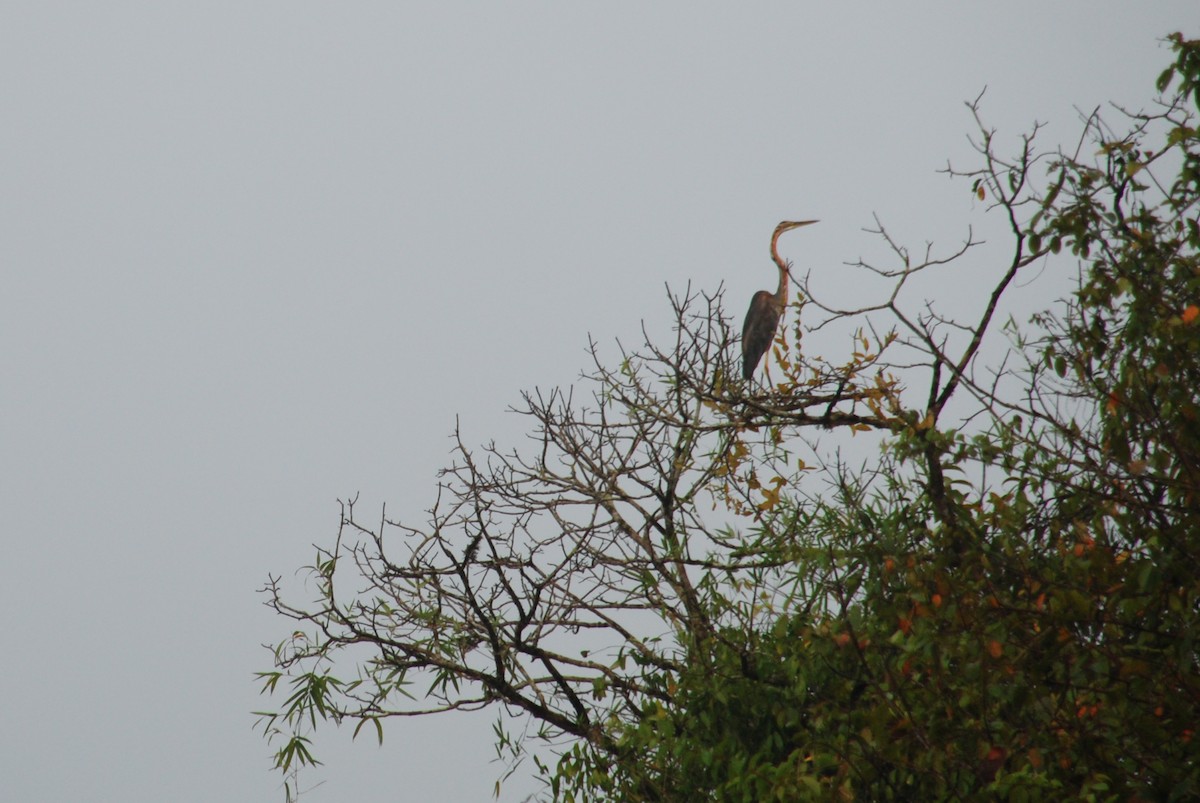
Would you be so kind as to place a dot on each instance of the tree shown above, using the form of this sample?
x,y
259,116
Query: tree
x,y
690,603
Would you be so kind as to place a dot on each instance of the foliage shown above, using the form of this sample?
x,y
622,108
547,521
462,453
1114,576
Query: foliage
x,y
1004,604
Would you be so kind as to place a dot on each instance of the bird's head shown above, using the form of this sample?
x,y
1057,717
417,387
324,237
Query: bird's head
x,y
788,225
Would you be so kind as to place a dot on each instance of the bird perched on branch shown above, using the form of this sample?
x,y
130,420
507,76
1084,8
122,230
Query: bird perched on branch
x,y
765,309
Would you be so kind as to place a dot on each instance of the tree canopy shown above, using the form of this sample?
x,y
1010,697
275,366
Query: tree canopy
x,y
691,596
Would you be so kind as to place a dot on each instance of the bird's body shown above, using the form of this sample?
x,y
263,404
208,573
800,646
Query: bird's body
x,y
759,330
766,308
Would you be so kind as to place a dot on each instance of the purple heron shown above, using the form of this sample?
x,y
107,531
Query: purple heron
x,y
765,309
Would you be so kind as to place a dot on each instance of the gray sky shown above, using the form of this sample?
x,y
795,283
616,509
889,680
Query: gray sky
x,y
258,256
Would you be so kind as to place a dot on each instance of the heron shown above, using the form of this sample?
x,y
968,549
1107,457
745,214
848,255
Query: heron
x,y
766,308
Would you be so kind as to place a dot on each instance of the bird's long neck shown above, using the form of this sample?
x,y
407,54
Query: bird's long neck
x,y
781,293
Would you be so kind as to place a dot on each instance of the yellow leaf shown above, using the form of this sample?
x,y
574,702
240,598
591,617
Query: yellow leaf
x,y
772,499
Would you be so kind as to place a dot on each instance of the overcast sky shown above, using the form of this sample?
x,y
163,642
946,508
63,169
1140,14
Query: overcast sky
x,y
255,257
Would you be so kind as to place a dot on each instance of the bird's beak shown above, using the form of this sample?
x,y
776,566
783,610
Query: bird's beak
x,y
795,224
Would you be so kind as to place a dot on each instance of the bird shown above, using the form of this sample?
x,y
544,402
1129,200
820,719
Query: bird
x,y
766,308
